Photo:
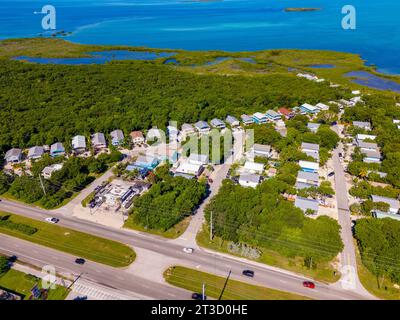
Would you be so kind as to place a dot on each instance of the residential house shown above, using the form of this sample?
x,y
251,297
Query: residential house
x,y
247,120
144,162
254,167
362,125
217,123
260,150
190,168
361,137
273,115
322,106
79,144
202,127
35,152
286,113
48,171
232,121
172,132
371,156
313,127
117,137
308,178
13,155
367,146
249,180
57,149
309,166
260,118
99,141
155,134
187,129
394,204
311,150
137,137
309,109
201,159
397,122
306,205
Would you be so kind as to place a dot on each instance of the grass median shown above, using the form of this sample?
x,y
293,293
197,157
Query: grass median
x,y
193,280
81,244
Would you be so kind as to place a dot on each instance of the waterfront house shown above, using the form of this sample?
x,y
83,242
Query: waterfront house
x,y
99,141
260,118
232,121
35,152
247,120
196,158
202,127
137,137
309,166
254,167
57,149
306,205
144,162
79,144
249,180
117,137
273,115
13,155
309,109
362,125
313,127
217,123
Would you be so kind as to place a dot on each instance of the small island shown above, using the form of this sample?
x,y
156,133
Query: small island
x,y
301,9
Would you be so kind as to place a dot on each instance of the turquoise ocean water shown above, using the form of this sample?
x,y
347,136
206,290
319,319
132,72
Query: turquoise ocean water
x,y
231,25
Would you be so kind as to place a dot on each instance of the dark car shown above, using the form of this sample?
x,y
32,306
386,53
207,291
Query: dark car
x,y
80,261
248,273
198,296
81,298
309,284
331,174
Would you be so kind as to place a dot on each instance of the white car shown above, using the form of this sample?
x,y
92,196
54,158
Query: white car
x,y
52,220
188,250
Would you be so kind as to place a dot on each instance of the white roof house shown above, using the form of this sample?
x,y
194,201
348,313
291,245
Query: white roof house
x,y
308,166
232,121
313,127
371,156
362,125
394,204
311,178
322,106
196,158
362,137
48,171
217,123
260,150
308,108
306,204
254,167
367,146
57,149
99,140
78,143
117,137
35,152
260,118
249,180
190,168
247,120
13,155
312,147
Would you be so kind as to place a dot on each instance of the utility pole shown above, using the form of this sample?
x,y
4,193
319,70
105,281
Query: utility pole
x,y
73,282
204,292
41,183
226,282
211,227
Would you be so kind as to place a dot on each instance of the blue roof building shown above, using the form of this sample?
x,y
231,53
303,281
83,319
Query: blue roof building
x,y
260,118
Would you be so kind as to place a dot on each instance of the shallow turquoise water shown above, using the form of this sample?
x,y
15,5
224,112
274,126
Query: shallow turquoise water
x,y
231,25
